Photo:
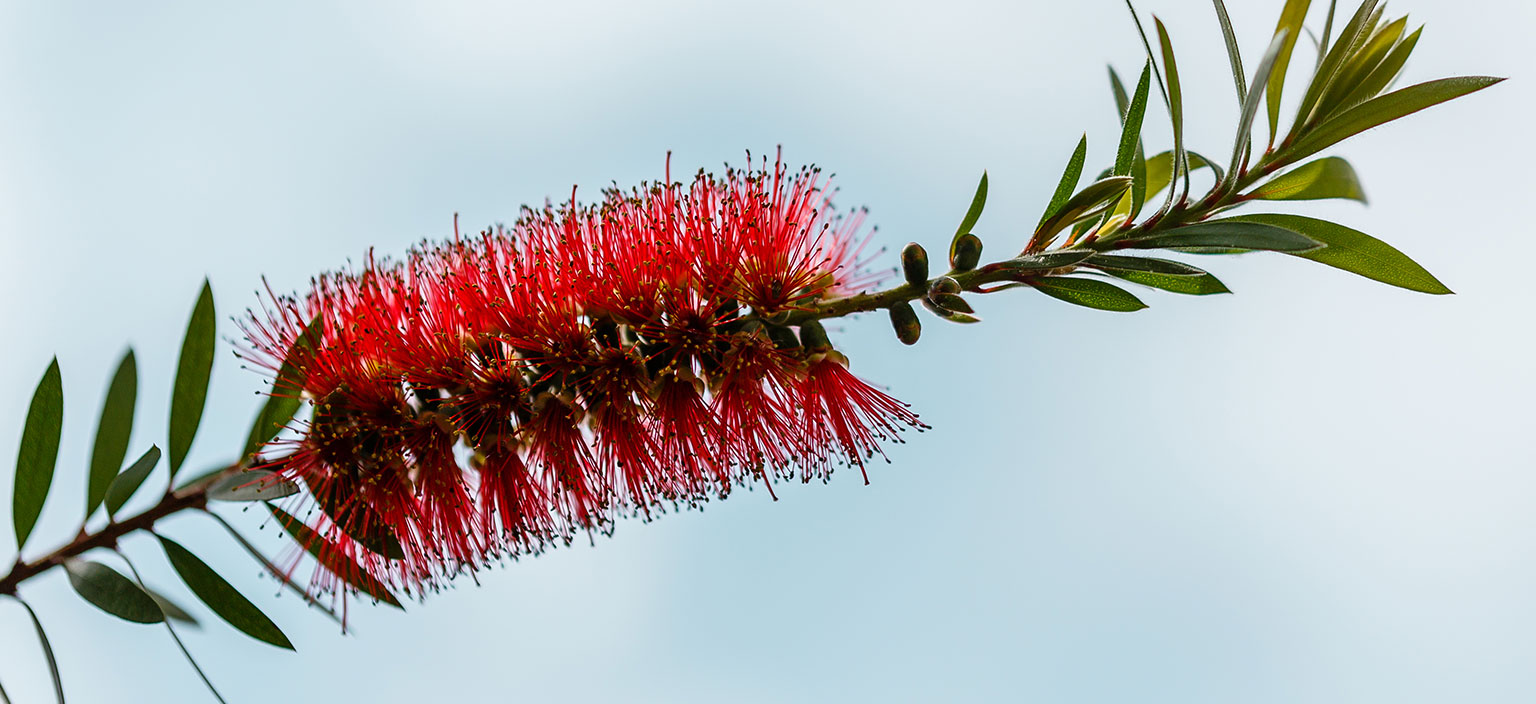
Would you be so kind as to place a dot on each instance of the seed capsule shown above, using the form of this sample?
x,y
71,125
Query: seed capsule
x,y
914,264
904,320
966,253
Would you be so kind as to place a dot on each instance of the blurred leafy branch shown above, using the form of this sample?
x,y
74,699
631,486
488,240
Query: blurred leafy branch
x,y
1079,252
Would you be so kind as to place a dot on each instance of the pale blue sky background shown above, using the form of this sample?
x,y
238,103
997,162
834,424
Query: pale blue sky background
x,y
1316,490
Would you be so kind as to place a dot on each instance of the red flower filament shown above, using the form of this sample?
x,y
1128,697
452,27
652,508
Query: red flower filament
x,y
493,396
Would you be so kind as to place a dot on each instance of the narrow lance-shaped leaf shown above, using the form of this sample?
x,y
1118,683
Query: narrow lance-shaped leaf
x,y
1234,54
222,597
1160,170
1359,67
1147,45
171,609
1069,179
1130,204
1355,252
1229,233
1044,261
112,432
1148,264
278,573
1322,44
972,215
1384,73
1261,77
42,639
176,638
1130,133
1175,112
1381,110
1332,177
1286,34
1090,294
39,452
1122,98
1093,199
1131,159
123,487
252,485
111,592
333,559
1333,61
1203,285
284,400
190,390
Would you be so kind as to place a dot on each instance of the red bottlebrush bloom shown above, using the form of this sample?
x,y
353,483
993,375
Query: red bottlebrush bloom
x,y
491,396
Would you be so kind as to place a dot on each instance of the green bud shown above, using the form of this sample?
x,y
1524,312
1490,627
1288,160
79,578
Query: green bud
x,y
914,264
944,284
783,338
966,253
814,337
904,320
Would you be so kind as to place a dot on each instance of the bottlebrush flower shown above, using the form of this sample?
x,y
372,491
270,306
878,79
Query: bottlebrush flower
x,y
492,396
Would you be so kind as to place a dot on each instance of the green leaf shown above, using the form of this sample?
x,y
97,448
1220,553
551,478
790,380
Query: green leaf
x,y
1230,233
1175,105
111,592
1332,177
973,214
1068,182
221,597
1322,44
951,303
39,452
1130,134
192,373
204,475
252,485
331,558
1047,260
171,609
1360,65
1384,73
280,574
1092,200
1122,98
1355,252
1160,170
112,432
1203,285
1262,76
285,398
1383,109
1333,62
1089,293
1147,264
1234,54
122,488
42,638
1287,31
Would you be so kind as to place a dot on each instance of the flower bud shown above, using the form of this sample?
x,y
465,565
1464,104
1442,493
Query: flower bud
x,y
783,338
944,284
966,253
814,337
914,264
904,320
